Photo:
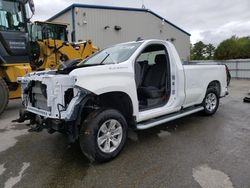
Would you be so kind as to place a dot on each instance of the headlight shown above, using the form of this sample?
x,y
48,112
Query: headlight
x,y
80,91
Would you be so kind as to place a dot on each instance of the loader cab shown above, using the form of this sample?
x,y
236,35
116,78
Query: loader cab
x,y
47,38
152,77
13,32
12,16
41,31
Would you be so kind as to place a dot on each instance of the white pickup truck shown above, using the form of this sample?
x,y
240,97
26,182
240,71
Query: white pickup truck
x,y
137,84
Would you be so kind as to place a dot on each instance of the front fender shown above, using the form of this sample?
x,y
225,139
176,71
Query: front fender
x,y
108,78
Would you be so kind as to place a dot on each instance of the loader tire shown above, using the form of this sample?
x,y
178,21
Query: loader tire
x,y
4,95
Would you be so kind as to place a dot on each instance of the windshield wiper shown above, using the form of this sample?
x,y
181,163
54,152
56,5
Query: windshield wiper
x,y
105,58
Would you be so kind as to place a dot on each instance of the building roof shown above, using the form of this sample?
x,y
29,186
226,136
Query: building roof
x,y
115,8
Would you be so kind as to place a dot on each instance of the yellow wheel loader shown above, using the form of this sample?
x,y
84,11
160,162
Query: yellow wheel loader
x,y
14,50
49,46
22,51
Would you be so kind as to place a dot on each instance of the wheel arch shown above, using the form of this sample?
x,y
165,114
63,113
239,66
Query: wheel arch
x,y
117,100
215,84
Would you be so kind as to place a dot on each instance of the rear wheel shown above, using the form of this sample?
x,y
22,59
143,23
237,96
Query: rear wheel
x,y
4,95
103,135
211,101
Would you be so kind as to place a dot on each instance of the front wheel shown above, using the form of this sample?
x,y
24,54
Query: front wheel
x,y
4,95
210,102
103,135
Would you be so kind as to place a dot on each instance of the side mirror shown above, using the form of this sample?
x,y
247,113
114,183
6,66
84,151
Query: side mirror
x,y
32,6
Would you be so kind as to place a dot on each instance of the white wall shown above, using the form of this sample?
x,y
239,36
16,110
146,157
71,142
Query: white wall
x,y
90,24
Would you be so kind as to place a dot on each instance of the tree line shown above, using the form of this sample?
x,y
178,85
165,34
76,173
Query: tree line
x,y
232,48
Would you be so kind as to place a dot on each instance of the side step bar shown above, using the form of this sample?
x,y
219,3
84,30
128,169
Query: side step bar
x,y
164,119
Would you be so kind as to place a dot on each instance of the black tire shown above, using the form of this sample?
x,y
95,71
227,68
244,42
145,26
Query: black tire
x,y
4,95
91,130
211,108
246,99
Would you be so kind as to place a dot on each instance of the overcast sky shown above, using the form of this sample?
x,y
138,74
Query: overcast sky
x,y
206,20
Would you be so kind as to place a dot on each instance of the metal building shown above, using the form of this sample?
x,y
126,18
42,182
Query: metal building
x,y
107,25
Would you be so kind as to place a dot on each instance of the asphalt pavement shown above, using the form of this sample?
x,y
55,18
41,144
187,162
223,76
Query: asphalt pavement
x,y
195,151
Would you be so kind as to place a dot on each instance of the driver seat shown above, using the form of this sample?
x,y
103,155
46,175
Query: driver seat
x,y
154,81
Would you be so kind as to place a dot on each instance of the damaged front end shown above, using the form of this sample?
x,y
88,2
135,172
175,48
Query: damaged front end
x,y
51,101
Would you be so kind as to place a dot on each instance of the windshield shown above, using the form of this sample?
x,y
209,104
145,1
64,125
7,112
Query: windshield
x,y
48,31
11,16
115,54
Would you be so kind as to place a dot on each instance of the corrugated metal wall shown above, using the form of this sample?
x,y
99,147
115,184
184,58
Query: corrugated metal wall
x,y
239,68
90,24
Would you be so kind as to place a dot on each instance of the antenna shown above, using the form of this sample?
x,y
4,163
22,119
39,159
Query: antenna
x,y
143,5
